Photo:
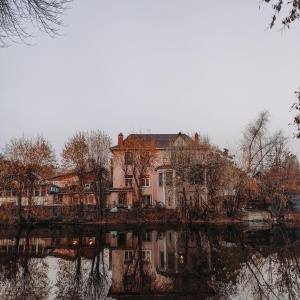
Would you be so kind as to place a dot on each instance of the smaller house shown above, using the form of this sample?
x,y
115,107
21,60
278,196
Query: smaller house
x,y
68,192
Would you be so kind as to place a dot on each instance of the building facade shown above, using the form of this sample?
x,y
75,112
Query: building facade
x,y
146,171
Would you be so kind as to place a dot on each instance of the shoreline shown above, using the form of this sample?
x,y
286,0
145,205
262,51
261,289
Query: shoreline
x,y
159,218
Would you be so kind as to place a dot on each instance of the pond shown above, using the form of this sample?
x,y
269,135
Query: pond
x,y
241,261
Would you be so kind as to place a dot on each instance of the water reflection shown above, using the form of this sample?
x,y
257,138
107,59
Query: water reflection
x,y
180,262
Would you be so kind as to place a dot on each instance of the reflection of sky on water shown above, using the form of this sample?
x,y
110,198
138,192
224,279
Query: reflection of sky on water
x,y
54,268
52,271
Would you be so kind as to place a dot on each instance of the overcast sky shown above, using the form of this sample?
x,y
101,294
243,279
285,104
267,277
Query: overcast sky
x,y
158,66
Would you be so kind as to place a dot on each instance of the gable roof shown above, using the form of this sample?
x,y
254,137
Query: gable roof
x,y
62,177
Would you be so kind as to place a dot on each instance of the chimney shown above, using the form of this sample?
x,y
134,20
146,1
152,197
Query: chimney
x,y
196,138
120,140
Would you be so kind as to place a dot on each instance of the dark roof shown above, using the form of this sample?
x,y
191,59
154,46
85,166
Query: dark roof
x,y
161,140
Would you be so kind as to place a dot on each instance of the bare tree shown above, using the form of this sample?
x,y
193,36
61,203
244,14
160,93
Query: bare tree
x,y
89,152
205,176
221,178
99,144
292,7
280,179
257,143
257,147
16,14
296,106
189,160
75,158
27,161
137,161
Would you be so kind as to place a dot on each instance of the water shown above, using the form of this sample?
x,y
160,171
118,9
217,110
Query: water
x,y
180,262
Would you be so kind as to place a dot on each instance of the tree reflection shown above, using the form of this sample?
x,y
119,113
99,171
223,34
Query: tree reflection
x,y
70,277
97,280
82,277
138,273
269,267
25,277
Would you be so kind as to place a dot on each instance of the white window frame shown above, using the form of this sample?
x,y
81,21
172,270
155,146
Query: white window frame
x,y
146,181
128,255
147,236
145,199
146,256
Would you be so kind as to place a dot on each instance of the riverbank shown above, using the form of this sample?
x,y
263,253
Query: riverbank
x,y
150,216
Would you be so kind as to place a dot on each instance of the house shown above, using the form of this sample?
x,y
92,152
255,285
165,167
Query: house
x,y
151,169
60,190
43,194
68,188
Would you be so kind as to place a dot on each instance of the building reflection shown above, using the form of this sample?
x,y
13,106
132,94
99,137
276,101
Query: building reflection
x,y
153,261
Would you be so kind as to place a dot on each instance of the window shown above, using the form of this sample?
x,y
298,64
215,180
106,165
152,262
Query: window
x,y
54,189
160,179
128,158
122,198
197,175
36,192
25,193
33,248
89,199
146,256
87,186
128,255
147,199
43,191
162,259
146,181
169,176
128,180
75,199
147,236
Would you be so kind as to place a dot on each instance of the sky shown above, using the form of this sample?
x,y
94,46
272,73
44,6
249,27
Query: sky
x,y
159,66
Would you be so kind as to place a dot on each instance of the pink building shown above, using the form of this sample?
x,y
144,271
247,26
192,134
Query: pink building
x,y
142,170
